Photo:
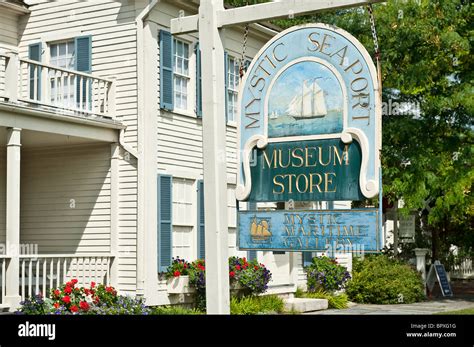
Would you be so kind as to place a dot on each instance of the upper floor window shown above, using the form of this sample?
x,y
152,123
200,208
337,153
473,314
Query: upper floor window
x,y
232,88
63,87
181,74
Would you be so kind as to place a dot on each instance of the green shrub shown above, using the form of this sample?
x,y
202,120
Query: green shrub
x,y
171,310
324,273
377,279
256,304
339,301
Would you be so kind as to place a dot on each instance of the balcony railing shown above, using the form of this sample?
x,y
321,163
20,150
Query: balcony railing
x,y
61,89
40,274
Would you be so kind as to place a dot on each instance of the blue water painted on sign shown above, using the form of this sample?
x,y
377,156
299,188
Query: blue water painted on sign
x,y
351,231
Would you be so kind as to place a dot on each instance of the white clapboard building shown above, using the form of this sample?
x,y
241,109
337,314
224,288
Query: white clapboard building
x,y
101,161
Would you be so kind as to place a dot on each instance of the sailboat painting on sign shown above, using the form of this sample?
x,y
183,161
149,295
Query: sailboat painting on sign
x,y
306,98
260,230
310,103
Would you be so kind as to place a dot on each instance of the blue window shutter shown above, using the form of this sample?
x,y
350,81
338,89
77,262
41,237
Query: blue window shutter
x,y
201,241
166,71
34,53
83,63
197,51
307,258
251,255
83,47
226,74
165,221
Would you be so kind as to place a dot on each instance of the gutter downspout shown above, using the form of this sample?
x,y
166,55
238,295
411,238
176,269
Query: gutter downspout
x,y
143,283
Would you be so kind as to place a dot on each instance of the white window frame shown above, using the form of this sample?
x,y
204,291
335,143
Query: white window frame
x,y
233,82
71,101
182,76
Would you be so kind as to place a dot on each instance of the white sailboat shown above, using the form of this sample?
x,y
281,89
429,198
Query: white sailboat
x,y
273,115
310,104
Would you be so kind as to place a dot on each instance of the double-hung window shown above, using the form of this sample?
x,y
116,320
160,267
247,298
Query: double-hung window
x,y
63,89
232,88
181,74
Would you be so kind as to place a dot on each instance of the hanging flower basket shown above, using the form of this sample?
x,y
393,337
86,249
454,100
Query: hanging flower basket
x,y
179,285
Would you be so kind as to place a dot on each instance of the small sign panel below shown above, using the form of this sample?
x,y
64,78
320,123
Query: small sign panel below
x,y
345,231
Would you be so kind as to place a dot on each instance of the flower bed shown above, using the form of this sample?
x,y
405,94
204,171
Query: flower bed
x,y
246,278
95,299
325,274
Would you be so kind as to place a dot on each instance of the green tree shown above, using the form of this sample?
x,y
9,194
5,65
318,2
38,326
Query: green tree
x,y
426,55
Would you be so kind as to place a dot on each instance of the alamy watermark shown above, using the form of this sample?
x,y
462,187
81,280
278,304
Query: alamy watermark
x,y
400,108
14,250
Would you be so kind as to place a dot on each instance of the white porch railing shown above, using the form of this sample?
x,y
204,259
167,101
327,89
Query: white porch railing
x,y
3,267
63,89
463,271
40,274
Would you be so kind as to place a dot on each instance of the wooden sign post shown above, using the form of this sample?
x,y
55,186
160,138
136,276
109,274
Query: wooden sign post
x,y
211,19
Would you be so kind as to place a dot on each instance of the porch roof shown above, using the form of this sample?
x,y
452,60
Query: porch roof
x,y
28,118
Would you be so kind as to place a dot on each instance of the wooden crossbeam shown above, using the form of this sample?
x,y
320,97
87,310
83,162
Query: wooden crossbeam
x,y
264,12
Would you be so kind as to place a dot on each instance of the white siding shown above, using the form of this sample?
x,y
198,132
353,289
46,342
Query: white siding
x,y
8,29
65,199
114,54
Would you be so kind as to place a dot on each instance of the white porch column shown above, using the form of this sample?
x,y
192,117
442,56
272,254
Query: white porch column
x,y
12,276
421,262
114,210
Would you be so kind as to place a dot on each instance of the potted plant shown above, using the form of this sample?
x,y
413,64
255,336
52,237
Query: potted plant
x,y
177,276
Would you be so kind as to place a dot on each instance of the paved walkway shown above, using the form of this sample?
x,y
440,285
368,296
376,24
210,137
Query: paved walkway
x,y
428,307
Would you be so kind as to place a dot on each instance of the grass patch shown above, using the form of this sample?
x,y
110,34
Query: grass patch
x,y
334,301
171,310
256,305
463,311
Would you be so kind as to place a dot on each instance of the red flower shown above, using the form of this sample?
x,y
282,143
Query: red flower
x,y
246,265
96,299
74,281
185,266
56,305
109,289
66,299
256,267
244,259
237,267
74,308
92,284
176,273
232,274
57,292
67,289
84,305
86,291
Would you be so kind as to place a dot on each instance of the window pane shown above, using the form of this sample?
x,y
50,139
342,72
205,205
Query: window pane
x,y
54,51
62,49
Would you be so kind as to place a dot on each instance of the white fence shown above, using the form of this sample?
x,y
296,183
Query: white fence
x,y
463,271
40,274
3,267
50,86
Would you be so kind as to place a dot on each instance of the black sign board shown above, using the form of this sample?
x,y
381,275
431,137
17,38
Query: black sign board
x,y
443,280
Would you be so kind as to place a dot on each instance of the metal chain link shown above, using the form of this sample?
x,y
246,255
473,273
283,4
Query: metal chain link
x,y
244,49
374,31
376,48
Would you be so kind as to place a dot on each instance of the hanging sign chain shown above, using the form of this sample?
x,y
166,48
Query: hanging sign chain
x,y
376,46
244,48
